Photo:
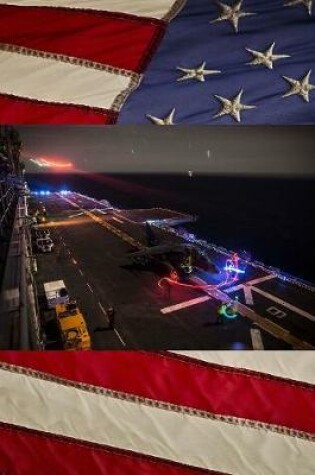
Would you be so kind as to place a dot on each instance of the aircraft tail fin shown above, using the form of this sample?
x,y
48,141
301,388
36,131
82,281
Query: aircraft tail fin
x,y
151,238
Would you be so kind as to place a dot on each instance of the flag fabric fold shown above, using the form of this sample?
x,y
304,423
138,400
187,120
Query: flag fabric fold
x,y
177,413
75,62
157,61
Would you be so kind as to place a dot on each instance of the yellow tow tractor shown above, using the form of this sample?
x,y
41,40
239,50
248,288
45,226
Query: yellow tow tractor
x,y
72,326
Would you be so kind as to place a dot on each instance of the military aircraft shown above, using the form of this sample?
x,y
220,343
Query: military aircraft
x,y
179,259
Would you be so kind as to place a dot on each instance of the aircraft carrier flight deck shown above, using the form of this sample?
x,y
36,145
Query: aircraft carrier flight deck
x,y
128,260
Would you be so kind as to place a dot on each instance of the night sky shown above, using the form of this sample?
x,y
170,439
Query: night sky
x,y
272,151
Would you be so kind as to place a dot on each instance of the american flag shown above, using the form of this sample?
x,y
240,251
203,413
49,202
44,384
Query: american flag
x,y
99,61
75,61
121,413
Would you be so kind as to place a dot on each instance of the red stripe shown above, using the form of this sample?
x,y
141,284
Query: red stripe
x,y
122,41
16,110
24,451
209,388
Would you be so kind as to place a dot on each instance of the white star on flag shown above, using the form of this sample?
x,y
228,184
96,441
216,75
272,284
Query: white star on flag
x,y
232,14
168,120
300,87
232,107
307,3
265,58
198,73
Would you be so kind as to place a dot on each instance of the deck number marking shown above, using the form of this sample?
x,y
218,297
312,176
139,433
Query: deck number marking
x,y
276,312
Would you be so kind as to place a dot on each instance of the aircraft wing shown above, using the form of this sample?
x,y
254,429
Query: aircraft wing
x,y
157,250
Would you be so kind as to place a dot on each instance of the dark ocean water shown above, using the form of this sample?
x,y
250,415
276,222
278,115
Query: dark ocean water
x,y
272,219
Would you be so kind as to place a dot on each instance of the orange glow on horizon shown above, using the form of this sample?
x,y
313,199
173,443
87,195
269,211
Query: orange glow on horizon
x,y
55,164
51,162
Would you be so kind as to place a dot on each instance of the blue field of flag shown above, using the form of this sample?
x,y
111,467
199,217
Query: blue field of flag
x,y
280,35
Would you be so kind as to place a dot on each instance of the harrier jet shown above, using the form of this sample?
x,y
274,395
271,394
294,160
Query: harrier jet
x,y
180,258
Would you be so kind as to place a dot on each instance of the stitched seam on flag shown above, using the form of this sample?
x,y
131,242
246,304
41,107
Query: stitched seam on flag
x,y
151,49
96,447
68,59
112,114
133,398
123,95
119,99
241,371
174,10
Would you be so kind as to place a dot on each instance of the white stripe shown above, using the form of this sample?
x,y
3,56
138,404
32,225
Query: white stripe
x,y
285,304
204,443
285,364
145,8
56,81
187,303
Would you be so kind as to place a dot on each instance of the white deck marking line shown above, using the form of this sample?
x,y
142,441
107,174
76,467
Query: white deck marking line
x,y
75,215
249,282
213,292
124,218
257,342
81,272
186,304
109,227
285,304
120,338
118,220
90,288
248,295
115,330
103,309
234,288
74,261
263,322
